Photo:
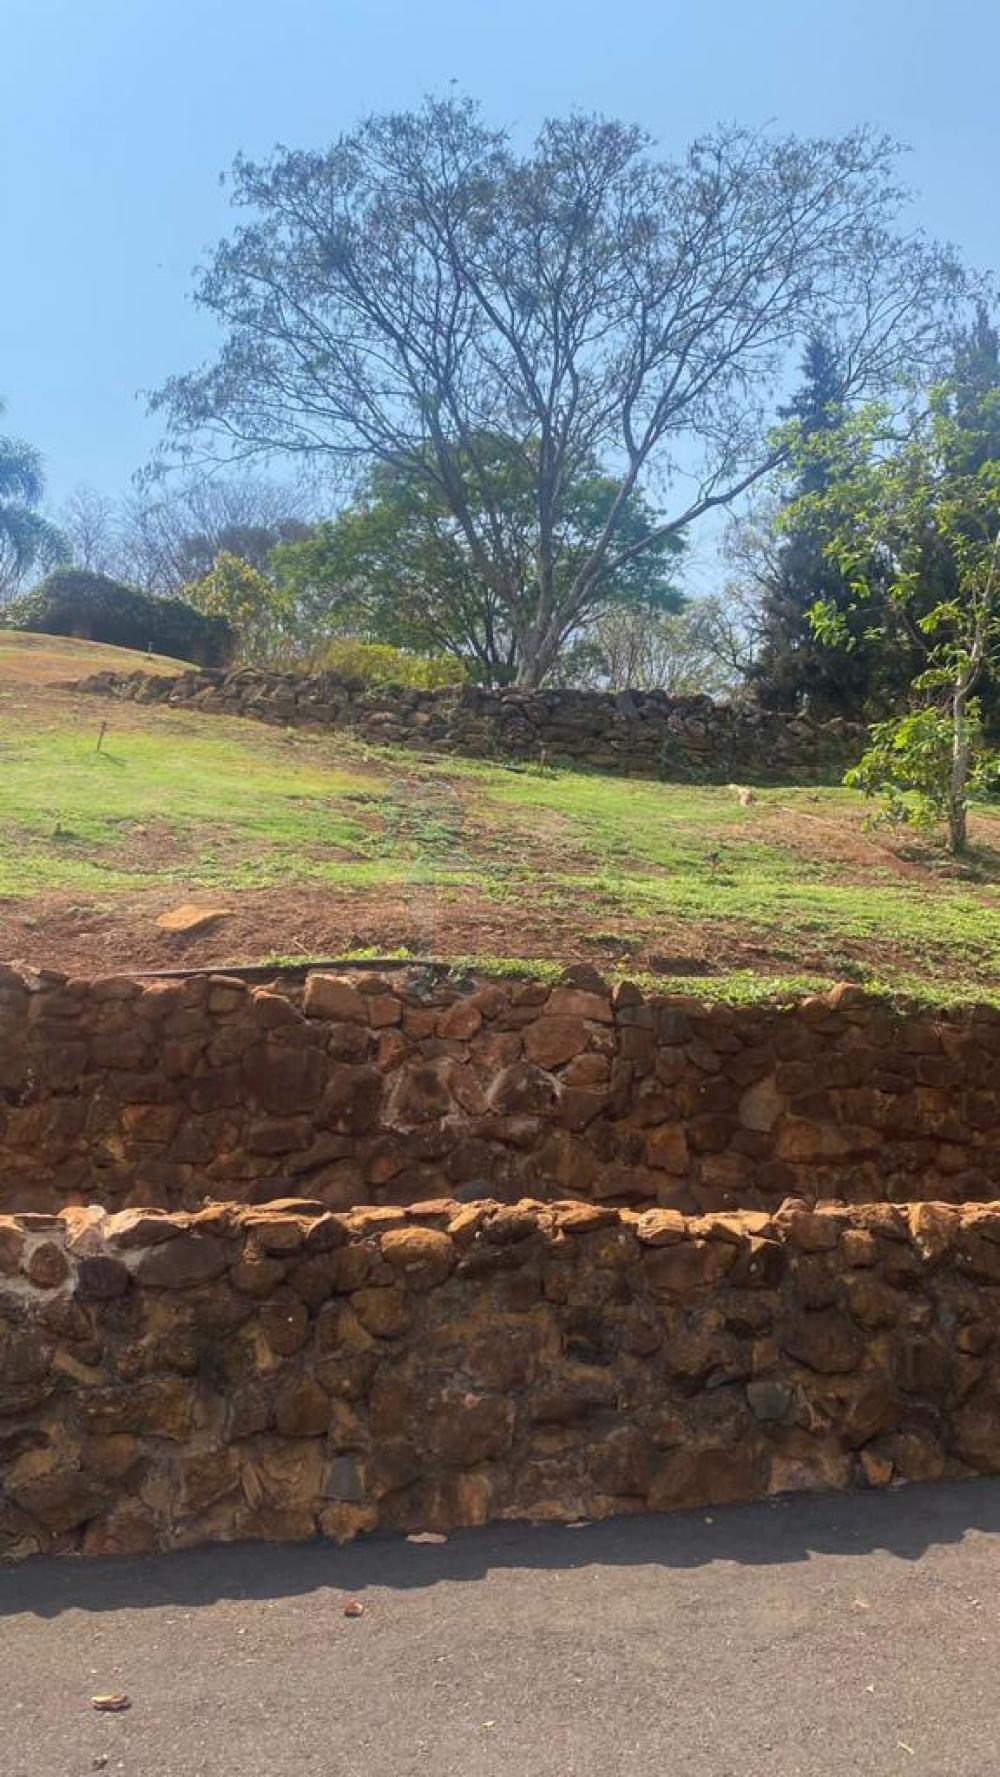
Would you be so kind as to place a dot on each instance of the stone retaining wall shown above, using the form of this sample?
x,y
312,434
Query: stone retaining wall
x,y
170,1380
390,1088
637,734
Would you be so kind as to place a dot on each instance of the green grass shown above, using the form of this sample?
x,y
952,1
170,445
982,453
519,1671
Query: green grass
x,y
229,813
781,896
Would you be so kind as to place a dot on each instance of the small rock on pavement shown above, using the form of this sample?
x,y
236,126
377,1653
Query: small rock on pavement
x,y
354,1608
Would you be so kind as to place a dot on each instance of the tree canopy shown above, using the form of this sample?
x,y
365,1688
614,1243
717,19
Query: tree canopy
x,y
397,566
421,286
913,520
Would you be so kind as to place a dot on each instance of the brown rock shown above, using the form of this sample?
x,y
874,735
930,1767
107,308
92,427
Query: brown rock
x,y
58,1495
383,1010
207,1476
584,1218
11,1246
423,1255
153,1123
574,1002
302,1410
100,1278
188,918
129,1529
587,1070
343,1522
522,1090
871,1301
352,1100
420,1092
285,1321
823,1339
279,1230
141,1227
686,1269
465,1429
876,1468
551,1041
180,1264
285,1080
858,1247
661,1227
761,1105
384,1312
809,1231
327,997
47,1266
667,1149
461,1021
622,1462
255,1274
933,1227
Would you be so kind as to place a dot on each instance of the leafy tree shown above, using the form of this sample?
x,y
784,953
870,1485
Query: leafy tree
x,y
787,551
396,566
911,762
915,526
255,609
27,540
421,286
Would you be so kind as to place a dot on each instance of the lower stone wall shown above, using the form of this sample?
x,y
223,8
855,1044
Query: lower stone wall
x,y
390,1088
632,733
170,1380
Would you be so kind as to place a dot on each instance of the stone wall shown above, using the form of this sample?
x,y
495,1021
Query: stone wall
x,y
276,1372
637,734
389,1088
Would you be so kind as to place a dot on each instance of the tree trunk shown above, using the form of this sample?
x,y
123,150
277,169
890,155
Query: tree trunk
x,y
957,802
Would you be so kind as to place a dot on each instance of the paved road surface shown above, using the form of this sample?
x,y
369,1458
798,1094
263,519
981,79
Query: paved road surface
x,y
818,1636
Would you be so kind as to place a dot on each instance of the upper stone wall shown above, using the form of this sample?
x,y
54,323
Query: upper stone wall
x,y
632,733
395,1087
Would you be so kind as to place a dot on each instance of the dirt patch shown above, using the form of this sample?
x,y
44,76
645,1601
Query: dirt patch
x,y
120,934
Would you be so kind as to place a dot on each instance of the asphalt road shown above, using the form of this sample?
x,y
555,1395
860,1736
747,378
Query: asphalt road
x,y
819,1635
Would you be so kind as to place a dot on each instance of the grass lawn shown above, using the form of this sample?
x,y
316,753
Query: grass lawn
x,y
316,845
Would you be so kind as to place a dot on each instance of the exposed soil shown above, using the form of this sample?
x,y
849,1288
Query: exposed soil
x,y
120,934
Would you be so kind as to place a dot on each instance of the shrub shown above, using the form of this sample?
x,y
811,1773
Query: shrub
x,y
95,608
378,663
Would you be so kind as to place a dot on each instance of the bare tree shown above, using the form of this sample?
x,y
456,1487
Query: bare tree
x,y
89,522
420,284
172,533
683,652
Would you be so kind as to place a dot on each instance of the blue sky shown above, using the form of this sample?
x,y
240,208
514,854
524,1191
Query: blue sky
x,y
117,116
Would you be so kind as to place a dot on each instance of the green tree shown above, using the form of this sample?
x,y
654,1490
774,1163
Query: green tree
x,y
422,284
257,610
27,540
914,523
795,569
397,567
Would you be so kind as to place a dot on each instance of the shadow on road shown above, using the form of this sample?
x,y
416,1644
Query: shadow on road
x,y
904,1523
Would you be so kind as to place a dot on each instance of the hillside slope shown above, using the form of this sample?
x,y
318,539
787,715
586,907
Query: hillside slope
x,y
30,659
313,845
